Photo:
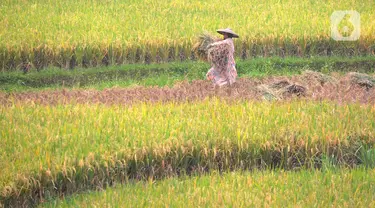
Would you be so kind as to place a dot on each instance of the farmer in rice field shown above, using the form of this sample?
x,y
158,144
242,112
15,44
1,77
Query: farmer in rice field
x,y
220,54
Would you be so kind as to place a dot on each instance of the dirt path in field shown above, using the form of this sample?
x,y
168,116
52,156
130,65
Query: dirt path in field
x,y
304,87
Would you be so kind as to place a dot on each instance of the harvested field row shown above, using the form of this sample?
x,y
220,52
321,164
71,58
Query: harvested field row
x,y
353,87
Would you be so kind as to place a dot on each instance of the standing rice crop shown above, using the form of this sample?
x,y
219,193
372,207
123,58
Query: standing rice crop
x,y
49,151
90,33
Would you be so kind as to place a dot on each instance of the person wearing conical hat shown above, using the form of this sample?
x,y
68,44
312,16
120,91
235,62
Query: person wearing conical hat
x,y
221,55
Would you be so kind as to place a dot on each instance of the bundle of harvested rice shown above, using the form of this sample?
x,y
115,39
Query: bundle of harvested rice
x,y
362,80
200,48
280,90
294,89
279,84
268,93
321,78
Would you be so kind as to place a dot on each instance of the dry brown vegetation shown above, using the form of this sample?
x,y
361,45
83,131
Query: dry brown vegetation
x,y
309,85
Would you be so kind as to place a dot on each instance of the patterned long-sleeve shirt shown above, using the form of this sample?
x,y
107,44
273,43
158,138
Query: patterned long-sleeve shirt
x,y
223,70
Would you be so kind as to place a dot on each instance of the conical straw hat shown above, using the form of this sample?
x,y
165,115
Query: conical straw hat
x,y
229,31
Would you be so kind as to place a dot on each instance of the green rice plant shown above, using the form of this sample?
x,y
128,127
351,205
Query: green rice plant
x,y
367,156
329,162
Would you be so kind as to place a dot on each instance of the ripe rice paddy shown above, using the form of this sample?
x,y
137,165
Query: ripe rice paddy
x,y
49,151
302,140
91,33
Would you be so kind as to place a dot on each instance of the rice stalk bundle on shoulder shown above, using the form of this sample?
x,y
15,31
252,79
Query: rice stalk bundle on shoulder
x,y
200,48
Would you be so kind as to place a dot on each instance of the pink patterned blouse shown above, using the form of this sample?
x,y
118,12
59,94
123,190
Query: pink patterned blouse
x,y
223,74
